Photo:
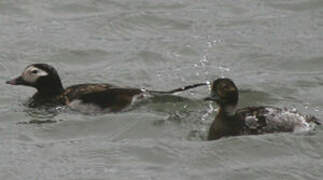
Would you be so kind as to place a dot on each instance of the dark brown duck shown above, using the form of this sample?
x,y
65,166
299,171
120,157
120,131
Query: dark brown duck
x,y
251,120
92,97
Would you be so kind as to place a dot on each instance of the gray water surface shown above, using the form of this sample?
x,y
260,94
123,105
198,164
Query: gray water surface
x,y
271,49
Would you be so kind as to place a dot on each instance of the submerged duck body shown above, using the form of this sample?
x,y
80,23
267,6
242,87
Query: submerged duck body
x,y
251,120
50,91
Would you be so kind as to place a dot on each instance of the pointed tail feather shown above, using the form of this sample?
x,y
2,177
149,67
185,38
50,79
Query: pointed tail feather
x,y
181,89
314,120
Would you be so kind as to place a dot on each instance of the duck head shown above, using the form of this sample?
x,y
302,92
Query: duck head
x,y
225,93
43,77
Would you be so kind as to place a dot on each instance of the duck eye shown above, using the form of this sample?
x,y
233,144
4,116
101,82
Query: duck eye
x,y
34,71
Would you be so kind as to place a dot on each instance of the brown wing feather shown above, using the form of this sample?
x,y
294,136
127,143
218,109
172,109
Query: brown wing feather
x,y
76,91
254,119
114,99
102,95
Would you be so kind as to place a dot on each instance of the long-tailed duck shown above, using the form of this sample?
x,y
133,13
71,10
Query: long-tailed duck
x,y
50,91
251,120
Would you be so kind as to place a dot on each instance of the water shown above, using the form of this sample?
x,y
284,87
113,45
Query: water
x,y
272,50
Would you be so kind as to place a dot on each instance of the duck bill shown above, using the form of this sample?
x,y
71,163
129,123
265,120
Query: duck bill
x,y
212,98
17,81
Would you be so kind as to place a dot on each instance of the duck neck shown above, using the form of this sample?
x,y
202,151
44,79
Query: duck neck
x,y
227,111
224,123
50,90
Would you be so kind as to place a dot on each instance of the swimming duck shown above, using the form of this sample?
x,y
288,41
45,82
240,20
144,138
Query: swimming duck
x,y
50,91
230,121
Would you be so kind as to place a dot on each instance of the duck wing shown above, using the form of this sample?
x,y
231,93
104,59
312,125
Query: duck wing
x,y
253,118
104,96
260,120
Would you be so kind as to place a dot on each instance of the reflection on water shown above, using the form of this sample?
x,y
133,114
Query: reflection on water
x,y
249,97
42,115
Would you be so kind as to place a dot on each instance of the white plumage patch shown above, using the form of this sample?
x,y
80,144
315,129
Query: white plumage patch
x,y
85,108
284,119
230,110
32,73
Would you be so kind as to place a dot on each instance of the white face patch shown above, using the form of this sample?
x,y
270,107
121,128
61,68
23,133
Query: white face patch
x,y
31,74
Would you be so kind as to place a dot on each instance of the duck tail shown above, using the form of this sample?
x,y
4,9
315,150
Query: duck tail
x,y
313,119
181,89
